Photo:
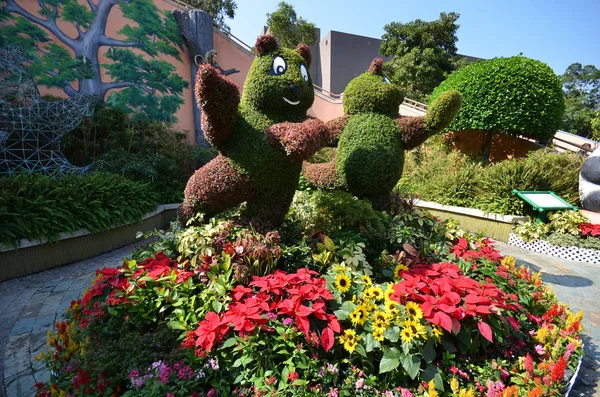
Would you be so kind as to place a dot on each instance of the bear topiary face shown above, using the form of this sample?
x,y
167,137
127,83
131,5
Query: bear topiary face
x,y
278,84
372,92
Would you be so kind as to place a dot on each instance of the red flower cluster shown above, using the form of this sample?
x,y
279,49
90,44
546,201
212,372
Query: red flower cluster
x,y
117,279
589,229
483,249
299,296
447,297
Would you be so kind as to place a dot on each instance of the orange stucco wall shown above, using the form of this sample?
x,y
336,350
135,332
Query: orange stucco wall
x,y
502,146
326,110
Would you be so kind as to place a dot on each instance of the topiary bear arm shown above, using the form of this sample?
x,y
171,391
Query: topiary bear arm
x,y
336,126
441,112
218,99
299,140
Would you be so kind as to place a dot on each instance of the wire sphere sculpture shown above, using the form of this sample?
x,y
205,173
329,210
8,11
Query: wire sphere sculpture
x,y
31,128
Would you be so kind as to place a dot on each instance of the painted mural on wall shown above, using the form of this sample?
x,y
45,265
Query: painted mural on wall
x,y
63,39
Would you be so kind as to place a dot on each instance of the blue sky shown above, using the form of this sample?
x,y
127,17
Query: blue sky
x,y
555,32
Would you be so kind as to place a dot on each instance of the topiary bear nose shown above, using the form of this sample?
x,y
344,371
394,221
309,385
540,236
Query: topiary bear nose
x,y
295,91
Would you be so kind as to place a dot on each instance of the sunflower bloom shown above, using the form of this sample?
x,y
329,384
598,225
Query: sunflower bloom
x,y
407,335
349,340
381,319
417,329
378,334
391,307
367,280
398,269
414,311
374,293
343,282
359,316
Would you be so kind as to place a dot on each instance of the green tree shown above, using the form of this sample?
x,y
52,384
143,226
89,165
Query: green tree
x,y
147,85
290,29
517,96
423,53
218,9
596,127
581,85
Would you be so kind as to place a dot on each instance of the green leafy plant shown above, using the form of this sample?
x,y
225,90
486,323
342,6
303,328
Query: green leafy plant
x,y
531,231
36,206
566,222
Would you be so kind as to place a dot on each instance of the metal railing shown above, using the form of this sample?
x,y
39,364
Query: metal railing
x,y
414,104
327,93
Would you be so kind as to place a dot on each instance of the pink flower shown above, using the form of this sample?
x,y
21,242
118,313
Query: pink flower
x,y
334,393
406,393
212,393
360,383
539,349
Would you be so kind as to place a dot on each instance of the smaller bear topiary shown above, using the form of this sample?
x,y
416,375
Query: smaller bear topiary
x,y
372,136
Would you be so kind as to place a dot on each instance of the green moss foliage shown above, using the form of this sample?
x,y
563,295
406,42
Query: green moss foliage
x,y
37,206
370,93
516,95
370,155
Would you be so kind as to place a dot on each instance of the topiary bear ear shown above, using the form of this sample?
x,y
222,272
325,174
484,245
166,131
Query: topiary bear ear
x,y
376,67
265,44
304,52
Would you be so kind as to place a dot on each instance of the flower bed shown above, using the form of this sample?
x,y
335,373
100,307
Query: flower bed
x,y
405,306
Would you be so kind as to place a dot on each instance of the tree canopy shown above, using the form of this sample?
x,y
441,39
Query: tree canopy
x,y
423,53
290,29
581,85
218,9
515,96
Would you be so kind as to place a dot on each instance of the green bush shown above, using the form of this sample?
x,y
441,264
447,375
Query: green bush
x,y
516,95
141,150
568,240
435,174
37,206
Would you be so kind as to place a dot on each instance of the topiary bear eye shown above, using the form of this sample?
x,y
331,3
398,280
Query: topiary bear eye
x,y
279,66
304,73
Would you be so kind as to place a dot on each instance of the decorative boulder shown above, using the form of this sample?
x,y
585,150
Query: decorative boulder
x,y
589,182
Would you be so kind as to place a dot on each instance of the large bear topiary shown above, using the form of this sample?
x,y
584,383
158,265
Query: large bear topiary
x,y
261,140
372,136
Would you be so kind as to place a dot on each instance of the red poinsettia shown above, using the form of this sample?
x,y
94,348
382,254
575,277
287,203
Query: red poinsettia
x,y
447,297
301,296
589,229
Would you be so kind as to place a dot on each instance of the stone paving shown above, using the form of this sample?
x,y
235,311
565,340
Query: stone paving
x,y
30,306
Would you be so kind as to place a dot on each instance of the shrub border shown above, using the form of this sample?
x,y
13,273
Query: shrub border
x,y
33,256
544,247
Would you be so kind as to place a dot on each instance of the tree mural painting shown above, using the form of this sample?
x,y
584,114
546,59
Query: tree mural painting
x,y
145,85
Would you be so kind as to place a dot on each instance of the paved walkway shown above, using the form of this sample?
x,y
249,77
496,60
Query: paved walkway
x,y
30,305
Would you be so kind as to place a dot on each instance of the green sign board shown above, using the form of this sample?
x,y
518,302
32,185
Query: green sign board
x,y
543,201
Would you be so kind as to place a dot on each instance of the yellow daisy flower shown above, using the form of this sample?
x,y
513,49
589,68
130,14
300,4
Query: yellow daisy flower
x,y
407,335
417,329
378,335
431,389
399,269
381,319
343,282
391,307
389,291
349,340
436,332
367,280
359,316
414,311
375,293
454,386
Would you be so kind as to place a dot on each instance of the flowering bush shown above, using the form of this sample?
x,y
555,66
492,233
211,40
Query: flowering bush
x,y
219,317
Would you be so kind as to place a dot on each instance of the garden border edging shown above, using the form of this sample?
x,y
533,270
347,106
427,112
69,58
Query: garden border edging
x,y
33,256
544,247
495,226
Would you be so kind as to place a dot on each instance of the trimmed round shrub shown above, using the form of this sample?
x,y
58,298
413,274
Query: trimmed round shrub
x,y
370,164
516,96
